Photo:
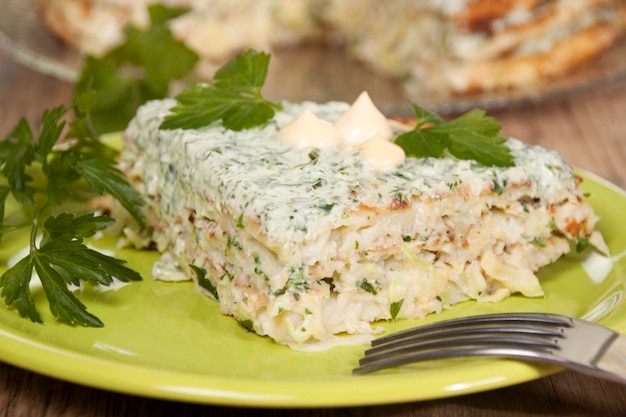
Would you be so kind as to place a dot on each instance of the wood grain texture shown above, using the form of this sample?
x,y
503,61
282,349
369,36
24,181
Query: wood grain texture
x,y
588,129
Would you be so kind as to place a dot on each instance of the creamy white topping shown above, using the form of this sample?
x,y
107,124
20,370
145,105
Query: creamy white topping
x,y
362,121
362,128
381,154
309,131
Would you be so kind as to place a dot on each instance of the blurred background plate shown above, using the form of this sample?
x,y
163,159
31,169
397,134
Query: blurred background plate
x,y
310,72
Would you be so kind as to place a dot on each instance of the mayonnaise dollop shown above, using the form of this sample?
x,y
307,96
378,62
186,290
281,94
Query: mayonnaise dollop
x,y
309,131
362,121
381,154
362,128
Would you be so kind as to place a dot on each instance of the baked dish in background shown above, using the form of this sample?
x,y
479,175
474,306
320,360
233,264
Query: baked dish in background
x,y
459,47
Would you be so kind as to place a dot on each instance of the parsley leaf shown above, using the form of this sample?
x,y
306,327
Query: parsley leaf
x,y
245,73
394,308
135,72
62,258
50,131
15,289
51,170
64,305
234,97
105,177
471,136
205,282
66,224
61,172
63,247
4,193
16,153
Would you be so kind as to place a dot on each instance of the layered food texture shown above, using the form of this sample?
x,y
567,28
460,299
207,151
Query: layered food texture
x,y
311,244
459,47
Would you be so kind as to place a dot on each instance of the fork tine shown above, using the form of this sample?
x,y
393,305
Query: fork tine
x,y
480,337
367,365
529,335
521,332
531,323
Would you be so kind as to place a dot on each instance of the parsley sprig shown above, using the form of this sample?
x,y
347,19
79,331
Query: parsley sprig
x,y
138,70
42,172
234,97
471,136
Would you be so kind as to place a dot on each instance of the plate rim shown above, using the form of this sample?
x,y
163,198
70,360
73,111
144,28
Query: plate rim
x,y
242,391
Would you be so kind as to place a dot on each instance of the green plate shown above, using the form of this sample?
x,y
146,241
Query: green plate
x,y
165,340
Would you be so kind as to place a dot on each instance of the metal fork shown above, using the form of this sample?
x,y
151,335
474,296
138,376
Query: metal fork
x,y
558,339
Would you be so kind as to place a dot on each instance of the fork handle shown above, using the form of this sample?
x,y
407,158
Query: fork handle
x,y
613,359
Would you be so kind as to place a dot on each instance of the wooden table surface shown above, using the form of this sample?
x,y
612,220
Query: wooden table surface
x,y
588,129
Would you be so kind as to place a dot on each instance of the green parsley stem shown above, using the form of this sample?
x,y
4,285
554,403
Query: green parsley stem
x,y
35,228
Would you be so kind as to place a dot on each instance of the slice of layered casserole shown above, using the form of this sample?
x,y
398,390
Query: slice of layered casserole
x,y
305,241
